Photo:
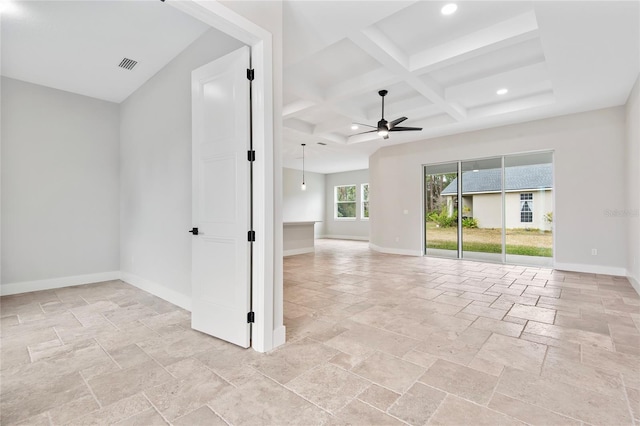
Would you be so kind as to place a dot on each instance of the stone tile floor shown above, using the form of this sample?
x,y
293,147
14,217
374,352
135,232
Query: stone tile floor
x,y
372,339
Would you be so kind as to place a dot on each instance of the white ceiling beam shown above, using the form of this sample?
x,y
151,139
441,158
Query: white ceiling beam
x,y
343,123
332,137
513,78
376,44
293,108
506,33
435,94
420,112
363,138
308,130
397,108
383,49
299,126
527,102
370,82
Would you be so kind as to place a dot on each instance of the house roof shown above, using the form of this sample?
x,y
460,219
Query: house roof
x,y
517,178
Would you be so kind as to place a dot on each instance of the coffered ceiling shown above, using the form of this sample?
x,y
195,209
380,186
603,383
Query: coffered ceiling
x,y
444,72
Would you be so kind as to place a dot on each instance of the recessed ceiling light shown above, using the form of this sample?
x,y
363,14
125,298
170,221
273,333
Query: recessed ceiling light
x,y
449,9
354,127
502,91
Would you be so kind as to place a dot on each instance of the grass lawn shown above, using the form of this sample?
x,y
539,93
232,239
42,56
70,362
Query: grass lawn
x,y
519,241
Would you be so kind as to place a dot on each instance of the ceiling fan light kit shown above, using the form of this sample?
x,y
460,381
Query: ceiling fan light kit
x,y
384,127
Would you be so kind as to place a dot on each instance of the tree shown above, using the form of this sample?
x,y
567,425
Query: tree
x,y
434,185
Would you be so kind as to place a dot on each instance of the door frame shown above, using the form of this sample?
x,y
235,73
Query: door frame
x,y
264,334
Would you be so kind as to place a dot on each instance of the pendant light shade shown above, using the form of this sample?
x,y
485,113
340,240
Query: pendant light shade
x,y
303,187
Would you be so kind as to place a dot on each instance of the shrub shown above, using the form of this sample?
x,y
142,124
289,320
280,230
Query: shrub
x,y
432,216
443,219
469,222
446,221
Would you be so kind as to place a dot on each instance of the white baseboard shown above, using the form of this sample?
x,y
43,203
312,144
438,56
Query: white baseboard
x,y
634,283
590,269
279,336
389,250
344,237
48,284
158,290
293,252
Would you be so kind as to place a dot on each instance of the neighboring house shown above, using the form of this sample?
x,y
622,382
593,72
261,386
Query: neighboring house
x,y
528,196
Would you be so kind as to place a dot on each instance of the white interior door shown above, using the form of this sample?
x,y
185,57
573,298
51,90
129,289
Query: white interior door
x,y
221,270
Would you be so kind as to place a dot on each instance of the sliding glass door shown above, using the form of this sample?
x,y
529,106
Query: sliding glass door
x,y
529,209
482,210
493,209
441,210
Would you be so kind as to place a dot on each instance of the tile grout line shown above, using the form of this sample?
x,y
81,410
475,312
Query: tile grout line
x,y
495,388
154,407
216,413
626,397
412,385
107,353
292,391
211,370
387,412
539,406
156,361
86,382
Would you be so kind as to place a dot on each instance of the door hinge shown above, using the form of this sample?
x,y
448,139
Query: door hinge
x,y
250,74
251,317
251,155
251,236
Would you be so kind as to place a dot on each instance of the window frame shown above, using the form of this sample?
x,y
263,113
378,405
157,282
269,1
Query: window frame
x,y
526,198
336,202
363,201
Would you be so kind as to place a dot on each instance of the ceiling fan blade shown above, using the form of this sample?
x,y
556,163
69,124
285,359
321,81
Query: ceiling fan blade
x,y
397,121
404,129
366,125
368,131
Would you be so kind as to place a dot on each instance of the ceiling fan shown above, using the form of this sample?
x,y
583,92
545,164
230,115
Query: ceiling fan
x,y
384,126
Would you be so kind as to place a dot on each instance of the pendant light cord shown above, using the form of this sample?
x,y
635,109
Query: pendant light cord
x,y
303,163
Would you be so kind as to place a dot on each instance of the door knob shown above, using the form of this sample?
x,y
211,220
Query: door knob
x,y
194,231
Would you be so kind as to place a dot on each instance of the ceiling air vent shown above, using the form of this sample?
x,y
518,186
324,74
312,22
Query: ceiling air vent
x,y
128,64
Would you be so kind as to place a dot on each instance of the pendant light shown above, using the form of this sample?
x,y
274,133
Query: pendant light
x,y
304,185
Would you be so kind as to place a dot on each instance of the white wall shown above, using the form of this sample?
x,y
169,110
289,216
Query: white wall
x,y
155,161
589,156
487,210
60,185
632,179
303,206
357,229
542,204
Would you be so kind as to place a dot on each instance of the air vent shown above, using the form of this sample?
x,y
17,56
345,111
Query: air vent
x,y
321,143
128,64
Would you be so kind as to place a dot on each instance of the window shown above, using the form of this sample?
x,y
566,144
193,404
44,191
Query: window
x,y
364,188
526,207
345,200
